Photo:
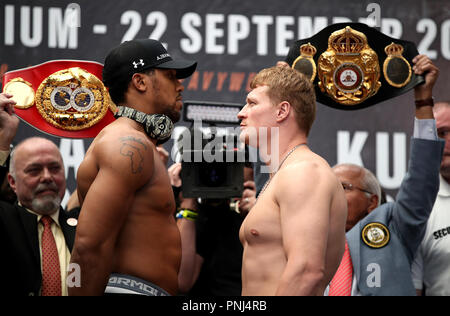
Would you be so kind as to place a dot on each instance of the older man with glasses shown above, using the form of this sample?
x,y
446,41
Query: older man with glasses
x,y
362,190
382,239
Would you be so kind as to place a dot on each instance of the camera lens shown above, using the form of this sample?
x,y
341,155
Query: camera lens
x,y
213,174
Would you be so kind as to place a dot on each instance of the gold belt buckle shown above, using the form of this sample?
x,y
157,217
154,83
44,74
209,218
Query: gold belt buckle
x,y
72,99
348,70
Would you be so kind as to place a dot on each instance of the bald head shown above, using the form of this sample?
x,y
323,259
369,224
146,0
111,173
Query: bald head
x,y
440,109
442,115
37,175
366,177
440,104
29,146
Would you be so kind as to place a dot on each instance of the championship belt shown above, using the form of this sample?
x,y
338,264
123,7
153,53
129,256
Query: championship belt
x,y
353,66
64,98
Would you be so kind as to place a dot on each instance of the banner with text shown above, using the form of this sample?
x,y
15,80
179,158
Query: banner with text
x,y
232,40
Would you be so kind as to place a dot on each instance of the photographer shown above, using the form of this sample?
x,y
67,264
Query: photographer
x,y
211,251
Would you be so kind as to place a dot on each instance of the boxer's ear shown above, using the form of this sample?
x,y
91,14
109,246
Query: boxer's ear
x,y
283,110
140,82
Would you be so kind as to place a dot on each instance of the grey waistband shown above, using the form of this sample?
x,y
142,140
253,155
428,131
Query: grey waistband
x,y
127,284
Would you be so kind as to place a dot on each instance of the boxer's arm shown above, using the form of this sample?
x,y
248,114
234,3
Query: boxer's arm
x,y
304,202
125,164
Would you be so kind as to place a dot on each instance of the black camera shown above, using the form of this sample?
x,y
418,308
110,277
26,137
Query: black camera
x,y
212,161
213,180
214,171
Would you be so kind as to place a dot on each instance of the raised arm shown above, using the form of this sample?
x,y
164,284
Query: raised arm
x,y
419,188
8,121
125,164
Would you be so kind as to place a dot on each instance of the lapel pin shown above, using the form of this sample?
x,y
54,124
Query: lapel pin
x,y
72,222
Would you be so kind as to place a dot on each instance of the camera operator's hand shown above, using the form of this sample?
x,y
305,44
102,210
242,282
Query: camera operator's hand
x,y
163,154
248,197
175,180
174,174
9,122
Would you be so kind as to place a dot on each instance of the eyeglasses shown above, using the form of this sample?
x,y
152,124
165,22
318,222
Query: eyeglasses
x,y
351,187
443,132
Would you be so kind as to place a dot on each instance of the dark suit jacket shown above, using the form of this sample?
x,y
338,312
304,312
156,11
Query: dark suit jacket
x,y
386,271
3,172
20,263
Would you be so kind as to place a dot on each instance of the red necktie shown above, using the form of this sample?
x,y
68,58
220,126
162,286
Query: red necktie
x,y
51,271
341,284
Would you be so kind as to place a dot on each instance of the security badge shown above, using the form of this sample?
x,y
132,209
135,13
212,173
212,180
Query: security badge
x,y
70,102
348,69
375,235
72,221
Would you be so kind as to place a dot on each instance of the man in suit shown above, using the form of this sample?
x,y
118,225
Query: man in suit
x,y
37,235
382,239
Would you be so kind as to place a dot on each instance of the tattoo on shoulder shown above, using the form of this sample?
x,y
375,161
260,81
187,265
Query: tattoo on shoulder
x,y
133,148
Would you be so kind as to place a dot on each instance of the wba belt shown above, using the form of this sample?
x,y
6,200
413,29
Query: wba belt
x,y
353,66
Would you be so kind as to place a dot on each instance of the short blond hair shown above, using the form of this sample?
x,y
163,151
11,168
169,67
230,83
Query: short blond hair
x,y
287,84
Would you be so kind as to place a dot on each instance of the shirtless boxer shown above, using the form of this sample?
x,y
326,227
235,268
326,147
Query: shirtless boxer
x,y
127,240
294,236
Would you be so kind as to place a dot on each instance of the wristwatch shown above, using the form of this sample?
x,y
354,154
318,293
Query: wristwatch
x,y
425,102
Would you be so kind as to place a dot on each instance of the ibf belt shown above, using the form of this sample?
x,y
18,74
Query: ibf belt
x,y
65,98
353,66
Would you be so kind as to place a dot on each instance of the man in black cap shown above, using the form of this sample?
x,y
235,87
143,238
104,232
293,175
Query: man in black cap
x,y
127,239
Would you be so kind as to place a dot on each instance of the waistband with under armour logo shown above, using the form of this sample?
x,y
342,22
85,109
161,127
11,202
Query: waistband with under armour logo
x,y
126,284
